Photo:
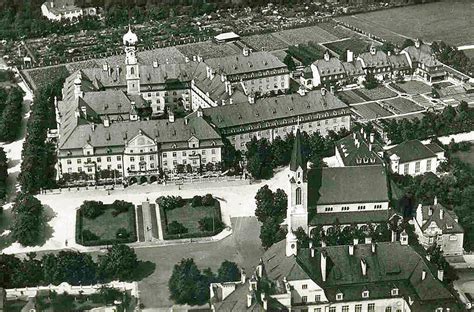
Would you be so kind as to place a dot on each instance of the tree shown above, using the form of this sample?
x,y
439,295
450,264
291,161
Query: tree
x,y
3,174
10,120
228,272
208,200
176,228
196,201
120,263
121,206
231,157
289,62
407,43
210,224
187,285
68,266
259,158
370,81
270,204
271,232
92,209
387,47
28,224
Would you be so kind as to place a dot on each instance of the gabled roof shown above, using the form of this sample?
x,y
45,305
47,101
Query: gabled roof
x,y
333,66
350,217
356,155
379,59
353,68
344,185
411,150
239,64
448,224
422,54
272,108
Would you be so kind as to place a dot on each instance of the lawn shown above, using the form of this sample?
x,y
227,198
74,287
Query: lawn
x,y
105,226
375,94
305,34
264,42
465,156
356,45
401,105
189,217
349,97
413,87
371,111
450,21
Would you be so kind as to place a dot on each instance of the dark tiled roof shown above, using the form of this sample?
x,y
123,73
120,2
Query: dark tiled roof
x,y
423,54
297,154
353,68
278,266
237,301
399,61
356,217
435,148
340,185
379,59
167,133
448,224
240,64
411,150
271,108
353,155
331,67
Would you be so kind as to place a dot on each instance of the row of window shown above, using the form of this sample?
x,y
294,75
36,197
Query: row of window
x,y
347,208
406,167
358,308
183,153
89,160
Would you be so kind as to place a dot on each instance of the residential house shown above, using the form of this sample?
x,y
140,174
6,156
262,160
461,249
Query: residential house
x,y
415,158
359,149
423,62
58,10
436,225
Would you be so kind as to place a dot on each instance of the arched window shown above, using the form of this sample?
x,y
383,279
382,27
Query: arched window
x,y
132,70
298,196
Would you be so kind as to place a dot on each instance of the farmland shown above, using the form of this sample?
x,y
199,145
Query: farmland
x,y
401,106
306,53
265,42
412,87
313,33
446,20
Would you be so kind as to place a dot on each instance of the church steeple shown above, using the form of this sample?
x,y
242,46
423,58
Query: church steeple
x,y
297,212
130,40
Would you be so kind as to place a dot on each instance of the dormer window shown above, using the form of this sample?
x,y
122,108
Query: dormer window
x,y
339,296
394,292
365,294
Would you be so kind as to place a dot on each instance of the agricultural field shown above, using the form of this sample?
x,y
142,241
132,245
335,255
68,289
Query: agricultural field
x,y
356,45
401,106
450,21
375,94
370,111
424,102
304,35
207,49
412,87
265,42
349,97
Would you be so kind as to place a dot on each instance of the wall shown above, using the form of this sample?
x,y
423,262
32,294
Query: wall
x,y
352,207
412,166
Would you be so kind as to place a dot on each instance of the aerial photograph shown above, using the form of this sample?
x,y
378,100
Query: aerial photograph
x,y
237,155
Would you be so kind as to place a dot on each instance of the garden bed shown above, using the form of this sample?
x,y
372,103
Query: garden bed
x,y
189,216
412,87
378,93
356,45
401,105
104,228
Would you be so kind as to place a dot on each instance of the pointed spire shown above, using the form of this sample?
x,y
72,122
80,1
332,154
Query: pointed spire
x,y
297,159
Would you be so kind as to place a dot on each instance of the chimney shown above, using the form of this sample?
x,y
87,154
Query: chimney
x,y
301,91
155,64
354,135
105,67
356,241
78,86
231,101
373,247
323,91
243,277
199,112
327,56
223,102
441,274
351,250
263,297
106,122
52,4
363,266
370,147
186,121
435,200
323,265
394,236
430,211
312,251
417,43
372,50
350,56
372,137
84,111
404,238
222,77
260,269
93,126
441,214
423,275
331,89
368,240
249,300
246,51
186,59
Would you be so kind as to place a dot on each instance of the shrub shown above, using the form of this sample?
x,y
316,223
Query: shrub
x,y
170,202
122,233
122,206
209,224
89,236
92,209
208,200
196,201
176,228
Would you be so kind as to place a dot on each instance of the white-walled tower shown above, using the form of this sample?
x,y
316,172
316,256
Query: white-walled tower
x,y
130,40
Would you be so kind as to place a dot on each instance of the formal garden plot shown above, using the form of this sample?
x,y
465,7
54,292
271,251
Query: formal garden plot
x,y
265,42
349,97
336,30
375,94
185,218
401,105
100,224
371,111
412,87
305,34
306,53
356,45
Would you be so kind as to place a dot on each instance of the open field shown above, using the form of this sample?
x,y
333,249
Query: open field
x,y
448,20
189,216
306,34
378,93
265,42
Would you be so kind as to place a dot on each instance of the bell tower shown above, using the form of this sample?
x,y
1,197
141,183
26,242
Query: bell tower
x,y
297,213
132,75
